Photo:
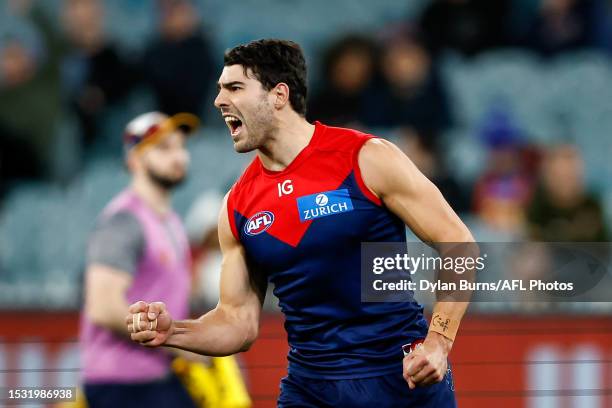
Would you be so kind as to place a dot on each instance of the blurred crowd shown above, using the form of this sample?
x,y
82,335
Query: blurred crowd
x,y
393,81
50,69
54,67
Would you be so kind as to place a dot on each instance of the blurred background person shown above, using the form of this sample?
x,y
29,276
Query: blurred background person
x,y
562,209
345,96
48,69
564,25
177,65
502,192
465,26
412,97
138,251
94,73
30,97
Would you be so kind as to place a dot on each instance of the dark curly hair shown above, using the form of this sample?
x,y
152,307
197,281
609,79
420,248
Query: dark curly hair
x,y
272,62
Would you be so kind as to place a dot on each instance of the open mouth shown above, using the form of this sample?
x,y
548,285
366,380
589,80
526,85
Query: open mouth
x,y
234,124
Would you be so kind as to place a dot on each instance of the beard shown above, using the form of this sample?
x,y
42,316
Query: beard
x,y
164,182
262,125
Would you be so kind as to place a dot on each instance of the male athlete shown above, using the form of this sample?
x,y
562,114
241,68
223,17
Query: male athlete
x,y
138,250
297,217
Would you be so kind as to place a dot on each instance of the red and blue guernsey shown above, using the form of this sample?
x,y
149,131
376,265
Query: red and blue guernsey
x,y
303,226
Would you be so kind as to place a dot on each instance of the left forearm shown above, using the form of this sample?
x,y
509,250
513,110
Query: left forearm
x,y
454,310
445,321
446,317
452,304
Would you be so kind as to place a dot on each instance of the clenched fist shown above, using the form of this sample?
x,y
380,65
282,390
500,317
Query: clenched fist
x,y
427,364
150,324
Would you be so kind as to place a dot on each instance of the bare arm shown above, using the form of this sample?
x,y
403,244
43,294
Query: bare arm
x,y
234,324
229,328
113,251
417,201
105,297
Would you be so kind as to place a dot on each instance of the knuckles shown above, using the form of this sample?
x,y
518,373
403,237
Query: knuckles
x,y
435,374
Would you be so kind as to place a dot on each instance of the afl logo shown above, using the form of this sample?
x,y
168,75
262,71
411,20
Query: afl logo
x,y
321,200
258,223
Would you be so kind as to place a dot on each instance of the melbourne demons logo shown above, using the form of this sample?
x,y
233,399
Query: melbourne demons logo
x,y
258,223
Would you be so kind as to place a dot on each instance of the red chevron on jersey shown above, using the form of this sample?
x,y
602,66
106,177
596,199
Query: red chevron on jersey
x,y
268,199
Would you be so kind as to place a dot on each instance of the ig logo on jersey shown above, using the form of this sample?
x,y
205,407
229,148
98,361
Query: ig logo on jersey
x,y
258,223
285,188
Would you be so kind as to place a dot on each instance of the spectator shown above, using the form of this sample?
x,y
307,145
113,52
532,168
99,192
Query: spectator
x,y
503,191
466,26
18,160
95,76
562,210
178,65
29,93
348,72
414,95
562,25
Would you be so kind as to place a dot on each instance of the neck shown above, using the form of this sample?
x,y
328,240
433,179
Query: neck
x,y
292,135
154,196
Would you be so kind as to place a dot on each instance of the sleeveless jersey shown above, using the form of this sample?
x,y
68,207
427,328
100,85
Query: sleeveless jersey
x,y
303,227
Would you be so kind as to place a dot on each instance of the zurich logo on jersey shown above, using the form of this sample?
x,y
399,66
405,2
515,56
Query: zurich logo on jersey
x,y
323,204
258,223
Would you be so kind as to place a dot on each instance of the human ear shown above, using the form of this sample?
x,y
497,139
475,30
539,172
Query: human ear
x,y
281,95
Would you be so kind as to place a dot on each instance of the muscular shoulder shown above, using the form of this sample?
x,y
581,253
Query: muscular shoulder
x,y
383,166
